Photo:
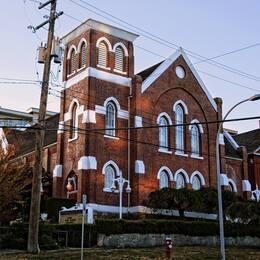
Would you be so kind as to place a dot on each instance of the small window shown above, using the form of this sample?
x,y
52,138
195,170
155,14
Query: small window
x,y
179,128
102,54
164,180
196,185
110,119
180,182
163,133
109,177
119,59
73,62
74,122
83,55
195,140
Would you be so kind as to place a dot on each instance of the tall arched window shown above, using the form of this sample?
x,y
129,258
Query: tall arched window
x,y
102,54
195,140
180,181
196,184
119,59
163,133
109,177
164,180
73,62
179,129
83,55
110,118
74,122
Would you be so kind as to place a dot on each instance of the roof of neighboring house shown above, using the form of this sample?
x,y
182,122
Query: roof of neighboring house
x,y
251,140
147,72
230,151
24,141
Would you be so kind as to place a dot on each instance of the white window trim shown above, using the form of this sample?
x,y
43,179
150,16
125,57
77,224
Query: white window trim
x,y
179,153
101,39
169,172
184,106
111,137
184,173
196,156
164,150
123,47
103,67
165,115
70,50
117,172
82,40
82,68
120,72
233,184
196,123
200,176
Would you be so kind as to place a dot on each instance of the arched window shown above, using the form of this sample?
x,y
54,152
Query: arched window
x,y
71,185
195,140
102,54
180,181
164,180
163,133
72,62
83,55
74,121
231,187
196,185
119,59
179,128
109,177
110,118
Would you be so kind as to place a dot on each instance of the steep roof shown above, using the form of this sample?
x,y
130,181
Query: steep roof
x,y
24,141
153,73
230,151
147,72
250,139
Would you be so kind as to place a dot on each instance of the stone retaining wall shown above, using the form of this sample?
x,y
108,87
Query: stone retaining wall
x,y
149,240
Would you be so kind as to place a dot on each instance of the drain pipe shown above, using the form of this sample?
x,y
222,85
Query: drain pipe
x,y
129,143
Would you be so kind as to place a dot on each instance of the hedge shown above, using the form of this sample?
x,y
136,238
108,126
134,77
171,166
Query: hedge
x,y
49,232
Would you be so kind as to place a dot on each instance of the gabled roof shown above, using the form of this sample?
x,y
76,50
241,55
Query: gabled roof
x,y
24,141
250,139
231,146
159,69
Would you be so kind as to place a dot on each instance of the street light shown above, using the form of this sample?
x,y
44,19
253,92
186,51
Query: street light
x,y
120,182
220,208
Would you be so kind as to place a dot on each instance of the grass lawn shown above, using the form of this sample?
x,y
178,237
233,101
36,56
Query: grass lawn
x,y
144,253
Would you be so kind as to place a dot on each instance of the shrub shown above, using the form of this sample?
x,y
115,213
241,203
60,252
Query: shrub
x,y
54,205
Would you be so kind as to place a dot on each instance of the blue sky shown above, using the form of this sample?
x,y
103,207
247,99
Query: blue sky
x,y
208,28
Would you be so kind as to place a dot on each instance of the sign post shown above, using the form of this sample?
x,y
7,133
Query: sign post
x,y
84,203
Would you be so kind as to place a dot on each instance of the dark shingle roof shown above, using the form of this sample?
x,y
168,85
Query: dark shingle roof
x,y
24,141
251,140
147,72
230,151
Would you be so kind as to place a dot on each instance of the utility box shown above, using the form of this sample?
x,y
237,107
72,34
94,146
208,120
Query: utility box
x,y
41,54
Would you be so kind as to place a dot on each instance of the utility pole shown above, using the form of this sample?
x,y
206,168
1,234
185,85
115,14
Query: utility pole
x,y
33,244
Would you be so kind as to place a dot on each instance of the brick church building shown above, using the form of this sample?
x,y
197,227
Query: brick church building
x,y
109,125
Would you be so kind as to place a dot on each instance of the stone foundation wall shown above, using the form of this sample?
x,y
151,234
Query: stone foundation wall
x,y
150,240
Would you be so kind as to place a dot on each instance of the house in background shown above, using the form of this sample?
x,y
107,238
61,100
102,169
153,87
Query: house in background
x,y
9,117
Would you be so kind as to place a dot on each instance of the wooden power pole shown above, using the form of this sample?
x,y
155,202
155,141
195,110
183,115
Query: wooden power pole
x,y
33,244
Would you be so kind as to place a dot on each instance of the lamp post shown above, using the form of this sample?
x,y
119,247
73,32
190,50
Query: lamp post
x,y
120,182
220,208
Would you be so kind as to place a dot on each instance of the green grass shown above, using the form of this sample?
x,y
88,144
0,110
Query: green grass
x,y
197,253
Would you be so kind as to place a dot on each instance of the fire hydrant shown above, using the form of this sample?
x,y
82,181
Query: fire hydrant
x,y
168,247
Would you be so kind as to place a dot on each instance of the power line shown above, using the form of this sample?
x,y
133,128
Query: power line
x,y
167,43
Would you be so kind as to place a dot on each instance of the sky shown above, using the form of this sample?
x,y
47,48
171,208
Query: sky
x,y
207,28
